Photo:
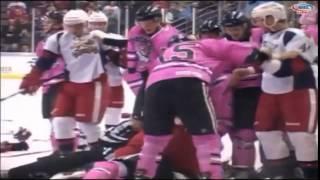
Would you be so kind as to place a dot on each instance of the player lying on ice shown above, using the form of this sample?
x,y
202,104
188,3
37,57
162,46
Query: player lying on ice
x,y
121,143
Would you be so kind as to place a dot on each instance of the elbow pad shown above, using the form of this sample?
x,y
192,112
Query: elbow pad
x,y
45,63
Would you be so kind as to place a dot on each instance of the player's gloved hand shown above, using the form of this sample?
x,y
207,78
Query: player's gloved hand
x,y
97,34
31,82
118,135
258,56
109,38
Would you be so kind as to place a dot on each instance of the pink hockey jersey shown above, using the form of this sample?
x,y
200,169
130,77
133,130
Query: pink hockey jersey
x,y
253,80
144,50
312,32
56,69
204,59
309,24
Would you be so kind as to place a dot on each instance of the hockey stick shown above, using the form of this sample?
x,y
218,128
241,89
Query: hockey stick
x,y
24,154
12,95
22,91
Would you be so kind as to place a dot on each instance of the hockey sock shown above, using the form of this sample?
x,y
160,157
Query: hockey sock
x,y
209,155
148,159
243,155
104,170
310,169
112,115
117,97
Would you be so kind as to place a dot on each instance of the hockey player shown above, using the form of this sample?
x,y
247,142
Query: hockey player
x,y
82,97
288,103
209,29
52,23
178,87
122,142
309,23
245,95
173,159
220,93
99,21
147,40
47,166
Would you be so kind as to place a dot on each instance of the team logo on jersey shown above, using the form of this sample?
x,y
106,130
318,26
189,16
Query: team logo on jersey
x,y
302,8
143,47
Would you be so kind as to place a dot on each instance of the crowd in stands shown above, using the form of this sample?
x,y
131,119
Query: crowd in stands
x,y
17,32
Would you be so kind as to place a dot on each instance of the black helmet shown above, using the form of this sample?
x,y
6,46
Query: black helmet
x,y
234,18
55,15
179,38
208,26
148,12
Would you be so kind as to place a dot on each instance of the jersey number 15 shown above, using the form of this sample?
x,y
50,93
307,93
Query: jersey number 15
x,y
182,52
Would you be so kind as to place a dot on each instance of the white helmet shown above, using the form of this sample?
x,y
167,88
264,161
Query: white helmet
x,y
75,16
277,10
98,17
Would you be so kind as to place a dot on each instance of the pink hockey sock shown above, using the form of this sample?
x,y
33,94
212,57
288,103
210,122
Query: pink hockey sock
x,y
152,147
103,170
209,155
243,150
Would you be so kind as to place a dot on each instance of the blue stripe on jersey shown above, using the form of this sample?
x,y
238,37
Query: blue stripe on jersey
x,y
305,79
288,36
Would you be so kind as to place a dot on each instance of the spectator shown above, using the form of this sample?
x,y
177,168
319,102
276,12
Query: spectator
x,y
16,10
11,36
25,48
173,12
88,6
13,47
25,37
112,11
162,4
62,6
24,22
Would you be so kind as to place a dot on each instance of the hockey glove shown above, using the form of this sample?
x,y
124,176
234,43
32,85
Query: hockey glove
x,y
31,82
257,57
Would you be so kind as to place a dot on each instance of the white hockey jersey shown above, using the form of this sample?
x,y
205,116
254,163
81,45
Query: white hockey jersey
x,y
82,69
290,39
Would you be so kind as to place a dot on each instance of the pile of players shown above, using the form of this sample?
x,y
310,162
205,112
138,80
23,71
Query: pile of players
x,y
254,80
